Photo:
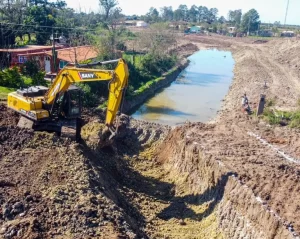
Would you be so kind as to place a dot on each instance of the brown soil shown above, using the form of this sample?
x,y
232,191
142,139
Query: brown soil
x,y
213,180
8,117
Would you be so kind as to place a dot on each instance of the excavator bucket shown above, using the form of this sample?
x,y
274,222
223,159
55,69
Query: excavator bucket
x,y
98,135
108,135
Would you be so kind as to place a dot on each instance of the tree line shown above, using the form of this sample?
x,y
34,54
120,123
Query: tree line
x,y
200,14
36,20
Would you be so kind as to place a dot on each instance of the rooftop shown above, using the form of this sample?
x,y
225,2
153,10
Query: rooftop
x,y
72,54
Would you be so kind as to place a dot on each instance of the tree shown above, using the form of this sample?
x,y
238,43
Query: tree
x,y
41,16
158,40
43,13
184,10
152,15
193,14
250,21
277,23
212,15
235,17
108,5
222,20
167,13
11,12
203,14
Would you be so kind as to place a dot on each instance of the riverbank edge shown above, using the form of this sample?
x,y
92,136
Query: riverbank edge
x,y
130,105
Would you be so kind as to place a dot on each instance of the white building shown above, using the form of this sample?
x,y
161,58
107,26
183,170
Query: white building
x,y
141,24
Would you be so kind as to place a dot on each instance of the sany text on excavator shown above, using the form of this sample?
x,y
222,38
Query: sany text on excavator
x,y
58,108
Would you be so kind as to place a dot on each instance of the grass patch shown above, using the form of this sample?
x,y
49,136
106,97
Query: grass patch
x,y
292,119
4,92
147,86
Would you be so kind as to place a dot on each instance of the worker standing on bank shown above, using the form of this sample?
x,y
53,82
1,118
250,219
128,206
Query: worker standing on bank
x,y
245,103
244,100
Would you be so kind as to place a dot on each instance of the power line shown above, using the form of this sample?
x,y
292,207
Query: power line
x,y
51,27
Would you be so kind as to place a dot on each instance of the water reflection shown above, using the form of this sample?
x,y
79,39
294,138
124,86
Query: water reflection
x,y
196,94
162,110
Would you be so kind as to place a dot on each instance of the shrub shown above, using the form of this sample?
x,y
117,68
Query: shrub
x,y
89,99
11,78
155,65
295,122
39,79
30,68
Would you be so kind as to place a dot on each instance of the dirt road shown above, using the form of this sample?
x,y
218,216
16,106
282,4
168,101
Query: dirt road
x,y
236,177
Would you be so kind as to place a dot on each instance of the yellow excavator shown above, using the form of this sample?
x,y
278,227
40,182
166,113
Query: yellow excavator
x,y
58,108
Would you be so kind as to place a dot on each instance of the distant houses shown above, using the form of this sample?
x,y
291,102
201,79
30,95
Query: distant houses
x,y
17,57
287,34
141,24
44,56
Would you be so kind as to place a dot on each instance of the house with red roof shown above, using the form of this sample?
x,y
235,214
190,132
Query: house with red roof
x,y
44,56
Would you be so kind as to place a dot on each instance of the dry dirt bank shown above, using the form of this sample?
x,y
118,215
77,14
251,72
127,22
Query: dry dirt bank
x,y
267,169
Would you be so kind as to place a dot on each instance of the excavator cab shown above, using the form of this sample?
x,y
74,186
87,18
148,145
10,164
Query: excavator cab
x,y
70,103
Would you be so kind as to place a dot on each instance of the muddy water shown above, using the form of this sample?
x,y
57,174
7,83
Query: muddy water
x,y
196,94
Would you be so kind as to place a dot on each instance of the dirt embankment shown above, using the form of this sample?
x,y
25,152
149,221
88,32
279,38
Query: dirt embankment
x,y
261,199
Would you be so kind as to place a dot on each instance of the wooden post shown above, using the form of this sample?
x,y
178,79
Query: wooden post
x,y
261,105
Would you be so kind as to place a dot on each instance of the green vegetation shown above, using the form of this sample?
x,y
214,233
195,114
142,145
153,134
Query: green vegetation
x,y
250,21
292,119
4,91
14,78
143,68
133,58
141,73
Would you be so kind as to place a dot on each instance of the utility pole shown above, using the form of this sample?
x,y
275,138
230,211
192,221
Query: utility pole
x,y
286,12
54,52
249,26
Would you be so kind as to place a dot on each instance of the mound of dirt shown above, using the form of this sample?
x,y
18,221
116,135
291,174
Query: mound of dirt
x,y
52,187
13,138
8,117
61,189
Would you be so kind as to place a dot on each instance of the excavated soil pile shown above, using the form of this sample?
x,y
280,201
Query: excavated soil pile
x,y
13,138
52,187
8,117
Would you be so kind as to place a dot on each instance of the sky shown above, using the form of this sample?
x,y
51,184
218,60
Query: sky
x,y
269,10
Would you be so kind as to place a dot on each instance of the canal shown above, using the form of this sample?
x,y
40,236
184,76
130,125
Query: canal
x,y
196,95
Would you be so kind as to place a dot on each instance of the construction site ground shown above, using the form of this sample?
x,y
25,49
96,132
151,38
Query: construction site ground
x,y
235,177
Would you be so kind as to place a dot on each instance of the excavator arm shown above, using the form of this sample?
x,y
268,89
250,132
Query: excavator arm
x,y
80,73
